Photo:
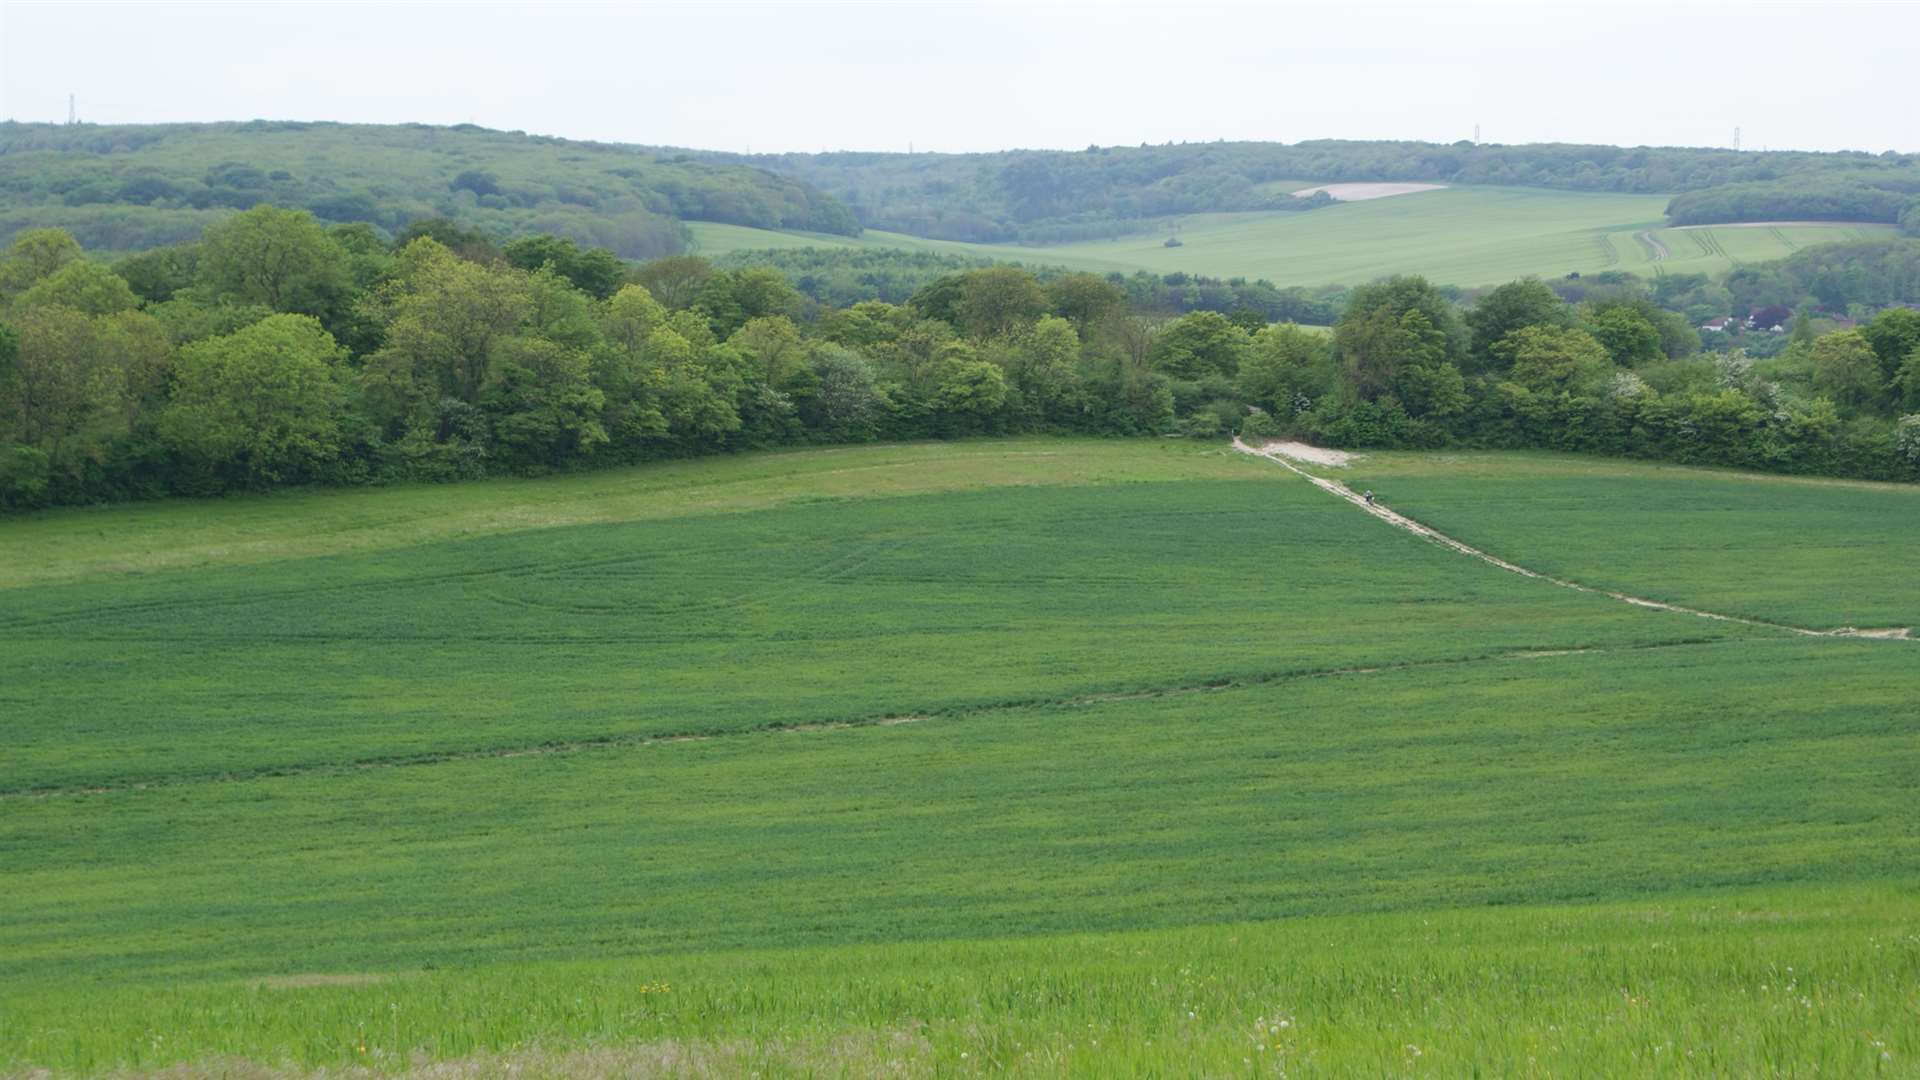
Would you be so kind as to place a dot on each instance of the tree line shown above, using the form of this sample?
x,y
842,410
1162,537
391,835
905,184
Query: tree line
x,y
841,277
278,350
1819,199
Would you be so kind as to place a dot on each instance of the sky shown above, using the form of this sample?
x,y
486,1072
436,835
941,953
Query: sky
x,y
805,76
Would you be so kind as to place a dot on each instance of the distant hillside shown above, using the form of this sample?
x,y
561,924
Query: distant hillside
x,y
1103,192
127,187
130,187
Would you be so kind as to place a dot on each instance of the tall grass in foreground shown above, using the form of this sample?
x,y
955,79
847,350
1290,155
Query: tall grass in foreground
x,y
1782,982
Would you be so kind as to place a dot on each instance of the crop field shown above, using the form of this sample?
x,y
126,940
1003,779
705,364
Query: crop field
x,y
1458,236
1039,756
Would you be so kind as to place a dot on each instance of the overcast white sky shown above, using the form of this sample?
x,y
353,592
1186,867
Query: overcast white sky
x,y
953,76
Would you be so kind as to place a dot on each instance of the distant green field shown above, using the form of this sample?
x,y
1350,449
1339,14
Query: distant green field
x,y
1043,756
1460,236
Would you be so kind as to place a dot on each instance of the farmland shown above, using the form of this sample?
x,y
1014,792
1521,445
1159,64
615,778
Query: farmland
x,y
1042,755
1458,236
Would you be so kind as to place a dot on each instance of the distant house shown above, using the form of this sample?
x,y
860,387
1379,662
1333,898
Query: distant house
x,y
1771,317
1722,324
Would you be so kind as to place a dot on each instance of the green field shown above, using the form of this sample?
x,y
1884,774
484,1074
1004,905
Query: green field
x,y
1458,236
1041,756
1561,514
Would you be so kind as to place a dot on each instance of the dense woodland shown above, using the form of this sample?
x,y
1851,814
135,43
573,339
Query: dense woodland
x,y
1043,196
280,350
129,187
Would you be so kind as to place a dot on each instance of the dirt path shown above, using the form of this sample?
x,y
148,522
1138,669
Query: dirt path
x,y
1778,224
1278,454
1659,250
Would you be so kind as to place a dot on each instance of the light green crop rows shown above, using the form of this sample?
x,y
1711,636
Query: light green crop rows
x,y
1459,236
956,758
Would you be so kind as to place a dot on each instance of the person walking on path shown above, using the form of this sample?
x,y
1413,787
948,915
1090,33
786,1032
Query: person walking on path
x,y
1369,497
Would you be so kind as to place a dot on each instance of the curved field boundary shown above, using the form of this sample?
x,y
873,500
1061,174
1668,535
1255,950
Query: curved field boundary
x,y
1401,521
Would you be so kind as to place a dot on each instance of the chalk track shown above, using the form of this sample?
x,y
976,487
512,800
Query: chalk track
x,y
1279,453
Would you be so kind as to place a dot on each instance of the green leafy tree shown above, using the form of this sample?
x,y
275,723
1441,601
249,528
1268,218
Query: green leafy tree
x,y
847,402
1085,300
156,275
1546,359
1285,367
998,301
940,298
36,254
470,244
1846,370
675,281
1400,356
868,325
1906,382
632,317
1200,344
730,298
443,316
1508,308
267,400
545,406
78,382
1042,369
1894,335
281,259
773,347
972,391
698,408
1413,293
594,271
1627,336
83,286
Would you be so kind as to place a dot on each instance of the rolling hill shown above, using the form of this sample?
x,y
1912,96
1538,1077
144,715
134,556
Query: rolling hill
x,y
1033,756
1457,236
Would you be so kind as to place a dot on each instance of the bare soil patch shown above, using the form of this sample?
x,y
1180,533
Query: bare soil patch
x,y
1363,192
1313,455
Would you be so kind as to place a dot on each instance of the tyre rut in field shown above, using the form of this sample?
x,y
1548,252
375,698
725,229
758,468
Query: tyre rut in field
x,y
1401,521
1656,251
589,744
